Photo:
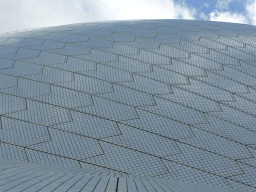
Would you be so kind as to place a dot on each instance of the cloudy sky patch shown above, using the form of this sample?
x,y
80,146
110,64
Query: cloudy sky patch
x,y
23,14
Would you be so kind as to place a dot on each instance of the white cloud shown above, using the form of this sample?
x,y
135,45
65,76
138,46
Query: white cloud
x,y
228,17
251,11
223,4
206,5
203,16
247,16
22,14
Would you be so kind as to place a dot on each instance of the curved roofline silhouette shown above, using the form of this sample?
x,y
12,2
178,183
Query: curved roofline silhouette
x,y
141,105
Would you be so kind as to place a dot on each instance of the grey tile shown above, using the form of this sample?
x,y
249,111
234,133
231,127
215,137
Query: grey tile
x,y
98,33
82,30
139,33
240,186
99,56
244,39
187,28
217,145
248,176
227,41
90,126
117,37
239,76
191,100
41,113
109,109
80,184
179,172
7,81
184,36
64,97
4,50
73,39
225,32
143,141
228,130
191,47
27,88
205,33
223,83
91,185
143,43
170,51
106,73
52,76
6,63
243,105
129,64
205,161
22,54
202,62
211,44
175,111
76,65
240,54
151,57
160,125
11,152
35,156
245,68
48,45
22,133
237,117
166,76
221,58
11,41
121,49
95,43
46,58
127,160
164,38
207,90
69,145
28,43
11,104
69,49
128,96
250,161
87,84
53,36
163,30
147,85
20,69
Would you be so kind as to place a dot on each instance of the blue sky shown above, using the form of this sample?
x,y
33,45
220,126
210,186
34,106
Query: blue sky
x,y
23,14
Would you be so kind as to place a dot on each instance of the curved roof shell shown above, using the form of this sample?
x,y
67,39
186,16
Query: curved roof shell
x,y
167,99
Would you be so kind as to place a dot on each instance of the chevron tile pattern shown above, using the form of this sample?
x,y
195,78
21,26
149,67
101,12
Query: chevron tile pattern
x,y
166,99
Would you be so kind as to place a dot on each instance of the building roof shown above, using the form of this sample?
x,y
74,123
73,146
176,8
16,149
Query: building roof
x,y
169,100
23,176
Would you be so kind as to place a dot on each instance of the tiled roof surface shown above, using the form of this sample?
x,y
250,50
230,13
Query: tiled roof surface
x,y
167,99
27,177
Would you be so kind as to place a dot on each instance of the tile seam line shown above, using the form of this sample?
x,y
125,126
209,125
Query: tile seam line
x,y
145,77
100,94
162,158
52,126
124,123
119,55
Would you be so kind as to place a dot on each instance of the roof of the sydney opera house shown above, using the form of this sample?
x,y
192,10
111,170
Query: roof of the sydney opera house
x,y
144,105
